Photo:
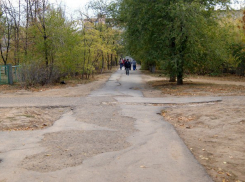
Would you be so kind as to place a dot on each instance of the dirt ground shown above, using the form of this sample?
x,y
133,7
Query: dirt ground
x,y
35,118
214,132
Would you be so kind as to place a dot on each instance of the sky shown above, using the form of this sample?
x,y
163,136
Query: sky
x,y
75,4
72,6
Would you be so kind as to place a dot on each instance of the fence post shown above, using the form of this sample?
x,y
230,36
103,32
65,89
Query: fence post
x,y
10,75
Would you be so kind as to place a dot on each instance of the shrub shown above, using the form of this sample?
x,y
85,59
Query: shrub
x,y
37,73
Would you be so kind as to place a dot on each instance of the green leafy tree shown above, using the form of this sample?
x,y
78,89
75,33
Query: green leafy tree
x,y
174,34
238,46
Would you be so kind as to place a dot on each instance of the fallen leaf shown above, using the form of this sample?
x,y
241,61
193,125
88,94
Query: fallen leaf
x,y
228,174
204,158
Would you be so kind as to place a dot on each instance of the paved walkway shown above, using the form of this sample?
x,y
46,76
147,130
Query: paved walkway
x,y
113,135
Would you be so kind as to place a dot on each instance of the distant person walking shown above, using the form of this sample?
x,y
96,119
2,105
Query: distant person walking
x,y
121,63
127,66
124,61
134,64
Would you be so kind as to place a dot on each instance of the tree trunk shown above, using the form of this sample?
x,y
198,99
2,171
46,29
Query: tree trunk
x,y
179,79
88,64
172,73
108,61
116,62
27,24
7,44
45,47
84,41
111,61
241,68
179,72
102,67
84,60
172,78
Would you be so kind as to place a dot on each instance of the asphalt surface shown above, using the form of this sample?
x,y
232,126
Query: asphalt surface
x,y
149,148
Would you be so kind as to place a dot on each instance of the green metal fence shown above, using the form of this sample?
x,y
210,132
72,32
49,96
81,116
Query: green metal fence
x,y
15,70
4,74
8,74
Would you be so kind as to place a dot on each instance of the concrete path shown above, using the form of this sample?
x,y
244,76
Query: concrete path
x,y
139,146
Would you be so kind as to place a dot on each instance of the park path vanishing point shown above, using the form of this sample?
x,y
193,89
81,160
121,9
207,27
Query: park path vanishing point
x,y
113,135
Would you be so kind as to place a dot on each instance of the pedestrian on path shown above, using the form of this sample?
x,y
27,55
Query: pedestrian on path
x,y
134,64
124,61
121,63
127,66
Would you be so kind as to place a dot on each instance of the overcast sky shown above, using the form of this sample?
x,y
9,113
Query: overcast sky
x,y
75,4
72,6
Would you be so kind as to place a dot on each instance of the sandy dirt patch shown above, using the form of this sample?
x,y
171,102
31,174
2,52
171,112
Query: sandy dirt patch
x,y
29,118
33,118
71,148
214,132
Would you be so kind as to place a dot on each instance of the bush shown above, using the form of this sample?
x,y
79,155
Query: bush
x,y
37,73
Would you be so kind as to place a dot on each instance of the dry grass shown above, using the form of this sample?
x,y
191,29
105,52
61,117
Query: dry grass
x,y
196,89
224,77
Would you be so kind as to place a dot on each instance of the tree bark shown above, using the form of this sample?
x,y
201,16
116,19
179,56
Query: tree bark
x,y
102,67
172,78
179,72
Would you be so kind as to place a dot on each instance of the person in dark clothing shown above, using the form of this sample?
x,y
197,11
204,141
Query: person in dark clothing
x,y
124,61
127,66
